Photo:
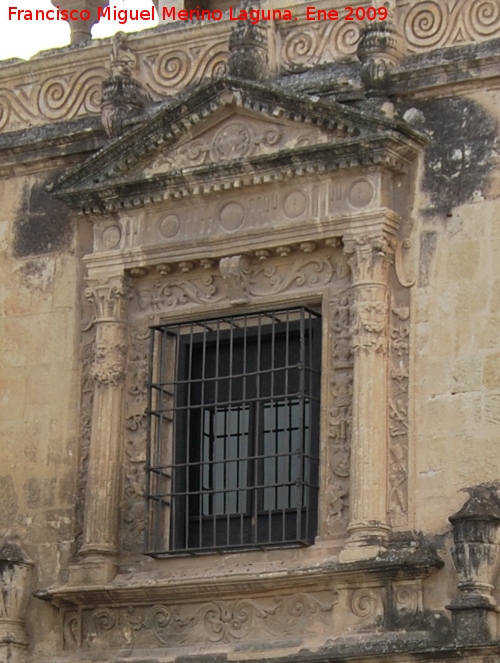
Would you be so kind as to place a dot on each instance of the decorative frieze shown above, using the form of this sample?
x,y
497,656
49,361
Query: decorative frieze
x,y
224,215
435,24
168,66
238,279
239,620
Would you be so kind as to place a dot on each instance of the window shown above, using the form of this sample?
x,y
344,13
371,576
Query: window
x,y
234,432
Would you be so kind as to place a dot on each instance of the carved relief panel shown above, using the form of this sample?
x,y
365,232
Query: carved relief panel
x,y
291,207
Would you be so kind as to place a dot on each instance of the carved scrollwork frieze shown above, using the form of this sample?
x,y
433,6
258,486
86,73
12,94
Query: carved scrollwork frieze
x,y
221,621
434,24
237,280
394,604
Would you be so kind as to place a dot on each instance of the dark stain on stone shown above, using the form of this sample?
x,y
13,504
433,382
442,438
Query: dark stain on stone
x,y
42,224
459,158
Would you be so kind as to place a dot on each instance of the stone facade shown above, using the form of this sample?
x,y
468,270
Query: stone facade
x,y
199,170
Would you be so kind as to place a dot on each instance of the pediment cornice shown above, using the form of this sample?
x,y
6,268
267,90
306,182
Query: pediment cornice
x,y
118,175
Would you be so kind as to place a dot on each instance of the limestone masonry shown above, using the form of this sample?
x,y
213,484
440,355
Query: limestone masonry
x,y
250,358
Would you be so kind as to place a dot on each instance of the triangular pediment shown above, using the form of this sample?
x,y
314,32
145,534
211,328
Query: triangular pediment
x,y
231,136
226,133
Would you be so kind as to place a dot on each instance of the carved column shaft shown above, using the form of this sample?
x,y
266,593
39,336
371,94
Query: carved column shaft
x,y
368,453
104,468
369,260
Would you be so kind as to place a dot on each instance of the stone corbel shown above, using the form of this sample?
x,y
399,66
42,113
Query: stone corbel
x,y
15,588
100,530
235,277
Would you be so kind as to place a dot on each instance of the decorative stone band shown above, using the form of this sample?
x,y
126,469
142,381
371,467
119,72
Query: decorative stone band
x,y
169,65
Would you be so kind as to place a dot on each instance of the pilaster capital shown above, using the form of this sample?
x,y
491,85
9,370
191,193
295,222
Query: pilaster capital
x,y
108,297
369,259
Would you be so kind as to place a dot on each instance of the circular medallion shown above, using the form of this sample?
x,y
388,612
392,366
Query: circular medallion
x,y
169,227
361,193
231,216
295,204
233,141
111,237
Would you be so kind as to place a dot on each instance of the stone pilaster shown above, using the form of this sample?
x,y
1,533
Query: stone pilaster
x,y
100,531
369,259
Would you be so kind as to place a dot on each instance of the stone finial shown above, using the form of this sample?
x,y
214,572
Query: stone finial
x,y
15,588
379,51
123,97
249,45
80,30
476,556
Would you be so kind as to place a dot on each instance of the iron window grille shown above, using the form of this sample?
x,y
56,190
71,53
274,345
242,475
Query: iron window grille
x,y
233,440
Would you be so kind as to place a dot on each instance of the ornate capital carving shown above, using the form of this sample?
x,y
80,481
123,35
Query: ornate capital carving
x,y
108,298
236,278
369,258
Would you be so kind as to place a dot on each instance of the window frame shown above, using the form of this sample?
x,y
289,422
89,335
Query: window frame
x,y
173,540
